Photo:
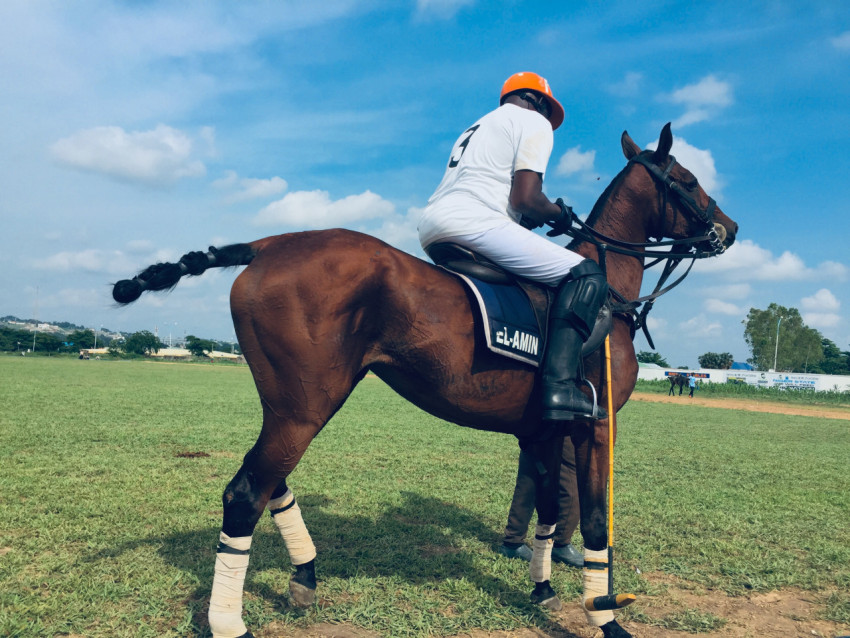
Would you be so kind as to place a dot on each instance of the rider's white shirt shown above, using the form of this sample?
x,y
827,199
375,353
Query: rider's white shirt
x,y
473,196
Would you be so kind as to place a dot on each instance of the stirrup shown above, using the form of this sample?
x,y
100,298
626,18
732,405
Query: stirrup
x,y
595,413
555,414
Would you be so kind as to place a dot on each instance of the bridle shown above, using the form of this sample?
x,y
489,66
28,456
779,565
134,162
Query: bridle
x,y
680,249
705,216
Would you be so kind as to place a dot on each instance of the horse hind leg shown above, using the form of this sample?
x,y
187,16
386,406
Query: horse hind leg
x,y
260,481
286,515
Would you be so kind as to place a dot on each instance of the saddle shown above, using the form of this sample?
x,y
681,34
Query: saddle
x,y
514,310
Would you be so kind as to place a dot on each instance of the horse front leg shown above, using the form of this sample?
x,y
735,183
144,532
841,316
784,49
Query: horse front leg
x,y
591,445
547,459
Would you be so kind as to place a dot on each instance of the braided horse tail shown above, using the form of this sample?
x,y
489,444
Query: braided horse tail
x,y
166,276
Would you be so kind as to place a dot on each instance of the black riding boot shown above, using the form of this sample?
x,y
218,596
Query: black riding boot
x,y
571,320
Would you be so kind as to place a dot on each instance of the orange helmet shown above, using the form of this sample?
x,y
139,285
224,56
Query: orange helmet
x,y
534,82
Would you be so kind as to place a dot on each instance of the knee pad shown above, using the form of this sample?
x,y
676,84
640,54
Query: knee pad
x,y
581,296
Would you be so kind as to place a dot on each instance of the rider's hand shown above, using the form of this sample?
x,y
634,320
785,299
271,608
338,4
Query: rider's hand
x,y
564,223
527,222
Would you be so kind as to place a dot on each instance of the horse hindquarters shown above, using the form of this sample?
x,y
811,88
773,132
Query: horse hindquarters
x,y
290,332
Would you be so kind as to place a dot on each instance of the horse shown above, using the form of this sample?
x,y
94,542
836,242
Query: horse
x,y
677,379
315,311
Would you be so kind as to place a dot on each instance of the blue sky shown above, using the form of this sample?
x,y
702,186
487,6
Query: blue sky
x,y
134,132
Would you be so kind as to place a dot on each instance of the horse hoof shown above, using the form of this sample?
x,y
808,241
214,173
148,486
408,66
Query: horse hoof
x,y
613,630
545,596
302,596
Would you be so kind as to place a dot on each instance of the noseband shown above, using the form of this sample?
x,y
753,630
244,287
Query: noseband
x,y
705,216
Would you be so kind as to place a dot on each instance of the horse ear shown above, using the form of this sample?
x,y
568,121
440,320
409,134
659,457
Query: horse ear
x,y
630,149
665,143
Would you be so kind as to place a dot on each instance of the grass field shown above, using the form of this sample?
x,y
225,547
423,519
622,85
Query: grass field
x,y
109,517
745,391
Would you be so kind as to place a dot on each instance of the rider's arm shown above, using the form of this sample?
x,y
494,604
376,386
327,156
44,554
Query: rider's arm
x,y
528,199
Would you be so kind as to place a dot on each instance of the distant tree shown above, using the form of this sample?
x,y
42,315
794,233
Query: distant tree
x,y
81,339
716,361
834,360
652,357
199,347
45,342
227,346
144,343
14,339
799,346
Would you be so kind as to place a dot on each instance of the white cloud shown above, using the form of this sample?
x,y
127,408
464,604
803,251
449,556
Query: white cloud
x,y
823,300
821,309
698,161
707,92
821,319
842,41
699,326
749,261
722,307
159,156
92,261
400,231
730,291
139,254
656,324
833,270
140,246
440,9
315,209
249,187
574,161
702,100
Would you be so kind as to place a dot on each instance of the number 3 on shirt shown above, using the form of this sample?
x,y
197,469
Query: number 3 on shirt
x,y
462,146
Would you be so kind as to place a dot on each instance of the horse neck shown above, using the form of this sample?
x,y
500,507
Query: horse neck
x,y
622,212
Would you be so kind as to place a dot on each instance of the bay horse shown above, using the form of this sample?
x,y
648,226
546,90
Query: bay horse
x,y
315,311
677,379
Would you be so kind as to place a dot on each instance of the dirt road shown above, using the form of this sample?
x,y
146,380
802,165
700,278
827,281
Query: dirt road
x,y
749,405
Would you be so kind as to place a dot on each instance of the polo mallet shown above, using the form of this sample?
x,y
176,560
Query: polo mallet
x,y
612,600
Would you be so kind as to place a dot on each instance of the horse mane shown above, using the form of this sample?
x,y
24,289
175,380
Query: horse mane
x,y
599,206
164,276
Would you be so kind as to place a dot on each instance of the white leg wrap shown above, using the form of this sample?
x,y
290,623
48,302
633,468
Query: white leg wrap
x,y
541,559
595,581
231,565
287,516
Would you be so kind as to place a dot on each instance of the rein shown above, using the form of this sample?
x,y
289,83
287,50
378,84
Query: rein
x,y
681,249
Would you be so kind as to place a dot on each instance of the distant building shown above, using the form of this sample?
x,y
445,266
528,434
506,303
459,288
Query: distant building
x,y
738,365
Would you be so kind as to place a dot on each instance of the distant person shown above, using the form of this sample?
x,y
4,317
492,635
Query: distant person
x,y
522,507
692,384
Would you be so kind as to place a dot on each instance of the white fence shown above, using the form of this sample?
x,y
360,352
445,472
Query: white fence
x,y
818,382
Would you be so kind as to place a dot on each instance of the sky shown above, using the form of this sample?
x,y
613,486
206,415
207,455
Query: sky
x,y
134,132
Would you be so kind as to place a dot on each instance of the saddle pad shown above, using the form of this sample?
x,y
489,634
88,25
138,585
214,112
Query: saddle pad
x,y
510,326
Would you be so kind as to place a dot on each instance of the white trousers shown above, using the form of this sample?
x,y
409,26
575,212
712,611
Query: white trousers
x,y
521,252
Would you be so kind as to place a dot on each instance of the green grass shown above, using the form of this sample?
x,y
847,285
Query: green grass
x,y
745,391
106,530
